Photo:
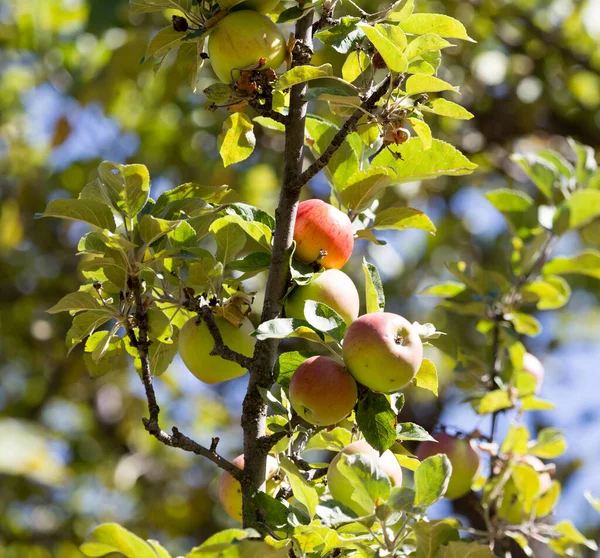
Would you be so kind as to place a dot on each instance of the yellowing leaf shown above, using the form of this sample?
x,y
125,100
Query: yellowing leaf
x,y
236,140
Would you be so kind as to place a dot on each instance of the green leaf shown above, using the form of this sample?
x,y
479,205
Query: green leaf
x,y
147,6
443,107
85,324
569,537
334,440
301,74
579,210
160,551
402,499
259,232
532,403
525,324
344,36
367,234
431,480
251,264
420,164
286,365
75,302
540,171
586,165
449,289
587,263
303,491
111,538
325,319
549,293
159,326
401,218
509,201
355,64
403,11
422,130
88,211
377,421
230,239
236,140
442,25
423,83
493,401
176,198
390,41
431,535
427,377
365,186
374,295
550,444
425,43
163,41
151,228
409,431
516,440
456,549
282,328
114,359
128,186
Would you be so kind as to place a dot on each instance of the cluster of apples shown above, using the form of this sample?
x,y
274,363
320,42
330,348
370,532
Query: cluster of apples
x,y
245,38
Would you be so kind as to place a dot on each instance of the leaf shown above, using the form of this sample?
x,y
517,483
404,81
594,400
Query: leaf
x,y
586,161
189,61
431,480
114,359
548,294
422,130
594,502
442,25
128,186
431,535
540,171
301,74
390,41
236,140
286,365
323,318
427,377
425,43
159,326
163,41
409,431
365,186
160,551
75,302
91,212
303,491
423,83
230,239
443,107
587,263
464,550
493,401
176,197
355,64
259,232
251,264
569,537
449,289
111,538
509,201
401,218
332,440
516,440
282,328
532,403
550,444
85,324
421,164
377,421
151,228
579,210
401,12
374,295
525,324
344,36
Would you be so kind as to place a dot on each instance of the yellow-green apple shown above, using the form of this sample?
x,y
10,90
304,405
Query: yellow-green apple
x,y
533,366
196,343
242,39
324,234
383,351
230,490
322,392
463,457
342,489
262,6
332,287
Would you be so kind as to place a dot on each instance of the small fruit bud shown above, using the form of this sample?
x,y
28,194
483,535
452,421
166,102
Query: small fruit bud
x,y
180,24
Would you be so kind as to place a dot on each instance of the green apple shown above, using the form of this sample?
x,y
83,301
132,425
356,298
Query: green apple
x,y
196,343
240,40
324,234
383,351
262,6
332,287
322,392
230,490
463,457
342,489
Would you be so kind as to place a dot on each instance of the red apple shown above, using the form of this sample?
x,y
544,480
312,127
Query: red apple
x,y
332,287
230,490
463,457
322,229
322,392
341,488
533,366
382,351
240,40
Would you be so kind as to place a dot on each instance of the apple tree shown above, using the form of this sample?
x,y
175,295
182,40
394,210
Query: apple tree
x,y
172,275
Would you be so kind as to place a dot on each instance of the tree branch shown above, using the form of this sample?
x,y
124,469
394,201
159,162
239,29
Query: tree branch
x,y
176,439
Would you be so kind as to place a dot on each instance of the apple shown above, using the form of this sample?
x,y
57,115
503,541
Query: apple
x,y
332,287
240,40
533,366
324,234
341,488
322,392
262,6
230,490
463,457
382,351
196,342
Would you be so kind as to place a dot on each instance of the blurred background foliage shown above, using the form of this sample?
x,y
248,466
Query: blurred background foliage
x,y
73,452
